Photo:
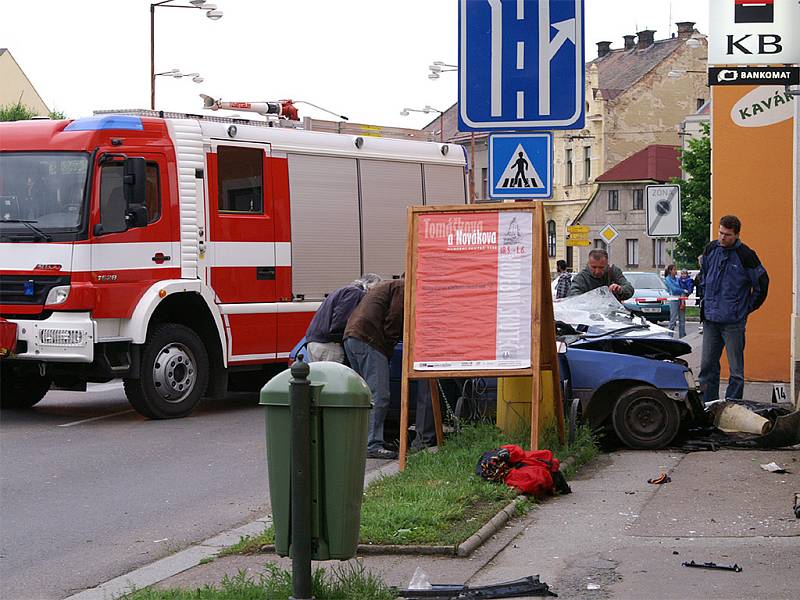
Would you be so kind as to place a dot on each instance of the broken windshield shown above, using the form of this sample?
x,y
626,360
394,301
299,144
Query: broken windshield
x,y
45,189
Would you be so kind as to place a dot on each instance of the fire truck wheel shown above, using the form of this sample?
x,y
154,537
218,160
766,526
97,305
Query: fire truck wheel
x,y
22,387
644,417
173,373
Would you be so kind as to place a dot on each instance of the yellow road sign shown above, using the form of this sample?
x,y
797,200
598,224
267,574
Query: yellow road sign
x,y
573,242
578,229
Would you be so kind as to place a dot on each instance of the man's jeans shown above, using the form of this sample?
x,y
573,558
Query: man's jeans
x,y
677,316
373,366
715,336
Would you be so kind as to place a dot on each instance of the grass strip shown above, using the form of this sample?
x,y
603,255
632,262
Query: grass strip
x,y
438,500
347,582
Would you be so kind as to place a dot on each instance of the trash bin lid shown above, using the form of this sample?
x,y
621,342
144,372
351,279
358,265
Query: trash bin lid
x,y
332,384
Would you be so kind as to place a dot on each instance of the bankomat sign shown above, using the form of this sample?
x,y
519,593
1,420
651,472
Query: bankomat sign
x,y
752,32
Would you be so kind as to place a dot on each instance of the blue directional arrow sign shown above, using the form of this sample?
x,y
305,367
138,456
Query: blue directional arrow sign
x,y
520,64
520,165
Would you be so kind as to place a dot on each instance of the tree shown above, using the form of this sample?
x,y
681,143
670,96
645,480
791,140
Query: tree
x,y
15,112
695,200
20,112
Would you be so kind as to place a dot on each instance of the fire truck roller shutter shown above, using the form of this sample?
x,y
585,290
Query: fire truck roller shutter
x,y
326,240
445,184
387,188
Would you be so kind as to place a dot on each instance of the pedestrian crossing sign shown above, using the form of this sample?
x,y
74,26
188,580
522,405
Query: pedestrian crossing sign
x,y
520,165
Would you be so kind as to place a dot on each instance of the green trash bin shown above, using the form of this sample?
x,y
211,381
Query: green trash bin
x,y
339,419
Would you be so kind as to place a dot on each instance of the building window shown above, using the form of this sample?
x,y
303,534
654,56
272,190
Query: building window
x,y
632,254
569,257
485,183
658,253
638,200
240,174
700,102
568,167
587,163
600,244
613,199
551,238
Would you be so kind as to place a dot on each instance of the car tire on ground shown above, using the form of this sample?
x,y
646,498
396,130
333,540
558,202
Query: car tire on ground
x,y
173,373
21,386
643,417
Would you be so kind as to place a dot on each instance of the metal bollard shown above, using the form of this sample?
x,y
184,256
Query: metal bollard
x,y
300,399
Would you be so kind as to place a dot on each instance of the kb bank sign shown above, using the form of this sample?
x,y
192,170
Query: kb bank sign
x,y
753,32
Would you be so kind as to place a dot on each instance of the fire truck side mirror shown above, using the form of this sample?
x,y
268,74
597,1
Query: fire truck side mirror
x,y
134,190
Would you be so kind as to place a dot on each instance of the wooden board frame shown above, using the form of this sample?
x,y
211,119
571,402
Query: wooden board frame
x,y
543,336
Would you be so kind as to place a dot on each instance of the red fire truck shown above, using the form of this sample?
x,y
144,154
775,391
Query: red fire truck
x,y
178,251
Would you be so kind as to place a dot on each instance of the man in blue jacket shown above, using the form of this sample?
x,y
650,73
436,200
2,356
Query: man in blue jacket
x,y
324,334
733,283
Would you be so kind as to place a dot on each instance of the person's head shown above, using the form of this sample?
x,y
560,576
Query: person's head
x,y
561,266
729,227
670,271
598,263
684,272
368,281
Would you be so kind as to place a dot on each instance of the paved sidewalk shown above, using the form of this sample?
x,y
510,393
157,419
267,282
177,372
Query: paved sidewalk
x,y
615,536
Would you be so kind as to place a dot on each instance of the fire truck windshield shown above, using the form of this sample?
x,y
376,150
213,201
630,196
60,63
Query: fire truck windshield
x,y
46,189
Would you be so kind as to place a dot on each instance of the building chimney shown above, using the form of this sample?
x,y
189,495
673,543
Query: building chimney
x,y
629,41
603,48
685,29
645,39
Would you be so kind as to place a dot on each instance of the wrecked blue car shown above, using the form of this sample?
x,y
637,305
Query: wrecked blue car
x,y
624,374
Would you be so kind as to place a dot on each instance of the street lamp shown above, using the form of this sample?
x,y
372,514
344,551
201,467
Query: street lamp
x,y
177,74
439,67
436,68
211,13
427,110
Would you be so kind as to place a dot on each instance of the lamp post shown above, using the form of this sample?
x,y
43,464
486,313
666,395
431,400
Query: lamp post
x,y
211,13
427,110
436,69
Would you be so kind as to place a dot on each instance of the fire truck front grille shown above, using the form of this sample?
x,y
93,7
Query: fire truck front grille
x,y
28,289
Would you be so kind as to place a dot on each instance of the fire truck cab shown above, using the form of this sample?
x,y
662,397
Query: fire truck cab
x,y
175,250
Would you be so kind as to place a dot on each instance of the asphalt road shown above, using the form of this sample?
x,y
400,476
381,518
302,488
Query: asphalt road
x,y
91,490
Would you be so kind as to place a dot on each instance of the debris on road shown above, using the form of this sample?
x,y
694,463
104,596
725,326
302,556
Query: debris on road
x,y
774,468
710,565
662,478
526,586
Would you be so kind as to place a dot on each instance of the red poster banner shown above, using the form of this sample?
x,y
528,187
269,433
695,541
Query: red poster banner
x,y
473,291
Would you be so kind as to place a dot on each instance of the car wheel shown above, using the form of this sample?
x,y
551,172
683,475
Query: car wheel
x,y
644,417
173,373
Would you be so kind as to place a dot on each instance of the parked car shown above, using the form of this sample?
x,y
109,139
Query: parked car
x,y
650,296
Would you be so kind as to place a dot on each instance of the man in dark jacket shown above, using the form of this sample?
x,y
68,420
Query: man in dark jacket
x,y
372,332
325,332
599,273
733,283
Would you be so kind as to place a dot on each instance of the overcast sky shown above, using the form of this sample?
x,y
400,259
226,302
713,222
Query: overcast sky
x,y
366,59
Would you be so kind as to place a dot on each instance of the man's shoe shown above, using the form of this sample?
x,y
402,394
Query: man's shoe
x,y
382,453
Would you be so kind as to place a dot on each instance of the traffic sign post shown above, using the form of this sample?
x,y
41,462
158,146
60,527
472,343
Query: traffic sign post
x,y
663,211
521,64
520,165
